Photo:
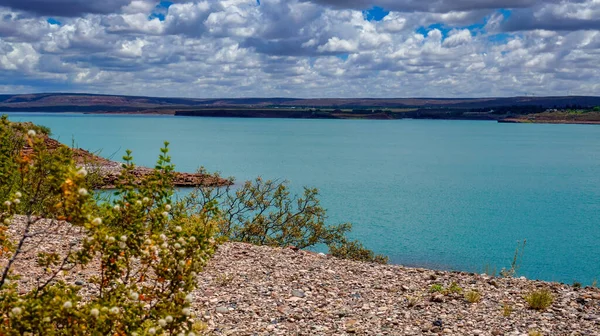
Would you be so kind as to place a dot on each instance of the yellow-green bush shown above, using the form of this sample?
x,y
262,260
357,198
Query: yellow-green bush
x,y
145,251
473,296
539,299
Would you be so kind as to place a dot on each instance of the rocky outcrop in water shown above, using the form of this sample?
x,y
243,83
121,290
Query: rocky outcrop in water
x,y
111,170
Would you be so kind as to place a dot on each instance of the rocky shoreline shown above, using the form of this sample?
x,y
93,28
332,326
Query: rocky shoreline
x,y
257,290
110,170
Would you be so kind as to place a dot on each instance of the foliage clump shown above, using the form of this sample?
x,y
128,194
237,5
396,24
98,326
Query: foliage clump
x,y
145,252
539,299
454,288
436,288
264,212
354,250
473,296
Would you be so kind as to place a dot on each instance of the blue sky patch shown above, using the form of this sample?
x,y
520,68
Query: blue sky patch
x,y
160,11
375,14
506,12
53,21
164,4
343,57
424,30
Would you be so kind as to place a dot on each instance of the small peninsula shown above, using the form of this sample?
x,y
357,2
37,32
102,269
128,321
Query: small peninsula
x,y
109,170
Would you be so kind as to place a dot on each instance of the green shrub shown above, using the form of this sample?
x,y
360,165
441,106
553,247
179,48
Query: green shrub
x,y
354,250
145,251
454,288
412,301
539,299
436,288
507,309
473,296
265,213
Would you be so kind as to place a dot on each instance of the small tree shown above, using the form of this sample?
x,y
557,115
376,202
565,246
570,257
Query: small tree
x,y
265,213
144,251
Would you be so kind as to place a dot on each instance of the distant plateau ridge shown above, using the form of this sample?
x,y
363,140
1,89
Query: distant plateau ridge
x,y
510,109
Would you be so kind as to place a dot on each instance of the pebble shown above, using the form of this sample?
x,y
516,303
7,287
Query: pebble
x,y
438,298
222,310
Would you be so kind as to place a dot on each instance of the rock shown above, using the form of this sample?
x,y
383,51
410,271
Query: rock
x,y
298,293
341,314
437,298
79,283
477,332
222,310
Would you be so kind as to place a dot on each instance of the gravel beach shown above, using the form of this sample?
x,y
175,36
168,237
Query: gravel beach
x,y
257,290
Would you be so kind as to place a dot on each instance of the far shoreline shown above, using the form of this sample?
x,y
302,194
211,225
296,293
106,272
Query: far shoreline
x,y
175,114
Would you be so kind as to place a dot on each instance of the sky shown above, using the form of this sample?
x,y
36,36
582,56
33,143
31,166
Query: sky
x,y
301,48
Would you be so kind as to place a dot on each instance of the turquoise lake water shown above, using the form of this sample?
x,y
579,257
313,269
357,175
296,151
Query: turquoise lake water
x,y
443,194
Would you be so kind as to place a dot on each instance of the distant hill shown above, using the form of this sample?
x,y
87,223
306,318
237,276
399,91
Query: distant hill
x,y
81,102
